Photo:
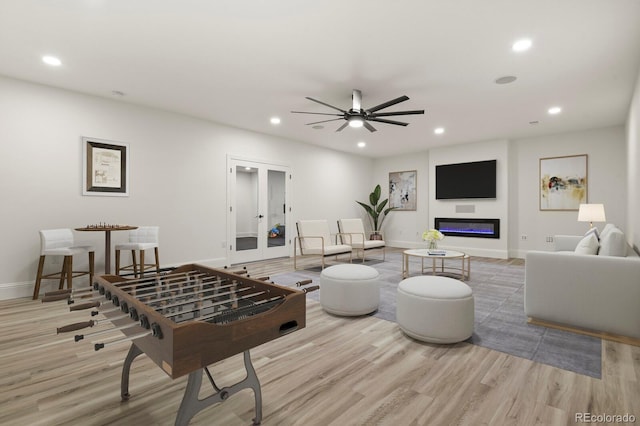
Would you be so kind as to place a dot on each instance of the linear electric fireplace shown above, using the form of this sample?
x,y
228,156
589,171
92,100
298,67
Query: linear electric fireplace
x,y
480,228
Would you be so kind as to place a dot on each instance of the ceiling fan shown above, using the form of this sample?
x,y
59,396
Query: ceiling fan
x,y
358,117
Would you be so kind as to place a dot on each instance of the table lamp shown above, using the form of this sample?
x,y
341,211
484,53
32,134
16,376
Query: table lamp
x,y
591,213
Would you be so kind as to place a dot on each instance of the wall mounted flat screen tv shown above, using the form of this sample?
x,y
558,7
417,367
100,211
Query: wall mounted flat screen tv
x,y
466,180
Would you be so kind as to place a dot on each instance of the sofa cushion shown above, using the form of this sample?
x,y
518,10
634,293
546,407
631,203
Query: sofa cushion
x,y
613,244
588,245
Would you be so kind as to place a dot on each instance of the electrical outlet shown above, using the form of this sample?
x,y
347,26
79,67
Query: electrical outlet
x,y
523,237
549,239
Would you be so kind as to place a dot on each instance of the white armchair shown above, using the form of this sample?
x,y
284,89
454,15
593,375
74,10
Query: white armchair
x,y
359,241
314,238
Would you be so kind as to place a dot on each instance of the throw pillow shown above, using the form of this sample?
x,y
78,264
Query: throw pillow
x,y
594,231
608,227
613,244
588,245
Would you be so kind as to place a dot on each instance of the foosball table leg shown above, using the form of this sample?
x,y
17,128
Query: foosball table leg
x,y
134,351
191,404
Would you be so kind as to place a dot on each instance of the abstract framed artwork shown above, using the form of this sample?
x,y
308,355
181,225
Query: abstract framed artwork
x,y
403,191
563,182
105,169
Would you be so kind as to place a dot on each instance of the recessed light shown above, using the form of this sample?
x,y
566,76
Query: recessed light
x,y
521,45
317,127
554,110
362,144
275,120
51,60
506,79
438,130
247,168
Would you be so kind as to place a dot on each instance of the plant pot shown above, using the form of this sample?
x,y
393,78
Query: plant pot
x,y
375,236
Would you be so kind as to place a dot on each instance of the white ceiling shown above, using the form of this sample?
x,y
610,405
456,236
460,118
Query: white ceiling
x,y
240,62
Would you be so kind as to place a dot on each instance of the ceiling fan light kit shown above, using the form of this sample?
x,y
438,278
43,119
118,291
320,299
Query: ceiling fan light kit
x,y
356,122
358,117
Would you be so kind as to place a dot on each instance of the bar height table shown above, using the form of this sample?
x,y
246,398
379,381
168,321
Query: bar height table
x,y
107,239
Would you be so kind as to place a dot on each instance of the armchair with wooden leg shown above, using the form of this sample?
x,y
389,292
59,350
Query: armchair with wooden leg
x,y
140,239
59,242
359,242
314,239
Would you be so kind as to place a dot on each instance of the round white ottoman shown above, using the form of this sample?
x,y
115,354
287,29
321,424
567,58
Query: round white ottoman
x,y
349,290
435,309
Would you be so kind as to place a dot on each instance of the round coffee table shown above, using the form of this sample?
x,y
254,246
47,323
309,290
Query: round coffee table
x,y
464,270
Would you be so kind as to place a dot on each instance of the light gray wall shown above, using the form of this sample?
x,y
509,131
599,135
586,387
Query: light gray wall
x,y
607,184
178,180
404,228
497,208
178,177
517,202
633,165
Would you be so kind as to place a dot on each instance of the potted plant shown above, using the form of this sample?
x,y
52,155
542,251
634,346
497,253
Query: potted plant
x,y
377,212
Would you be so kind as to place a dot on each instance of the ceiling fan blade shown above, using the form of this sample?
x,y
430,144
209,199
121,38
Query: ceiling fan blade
x,y
325,104
388,104
382,120
389,114
317,113
325,121
346,123
369,127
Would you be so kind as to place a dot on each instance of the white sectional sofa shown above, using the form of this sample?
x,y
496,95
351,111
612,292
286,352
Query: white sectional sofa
x,y
598,292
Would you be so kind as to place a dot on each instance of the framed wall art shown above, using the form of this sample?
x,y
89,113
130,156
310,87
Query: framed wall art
x,y
105,167
403,190
563,182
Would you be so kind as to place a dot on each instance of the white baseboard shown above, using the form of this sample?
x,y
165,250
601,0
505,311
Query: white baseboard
x,y
218,262
492,253
518,254
25,289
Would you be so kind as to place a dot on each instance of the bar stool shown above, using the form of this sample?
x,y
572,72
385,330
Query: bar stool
x,y
140,239
59,242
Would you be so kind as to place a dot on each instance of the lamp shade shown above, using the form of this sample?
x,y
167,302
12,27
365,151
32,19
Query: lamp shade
x,y
591,213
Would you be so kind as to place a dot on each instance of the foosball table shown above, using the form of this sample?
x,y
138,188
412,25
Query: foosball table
x,y
188,318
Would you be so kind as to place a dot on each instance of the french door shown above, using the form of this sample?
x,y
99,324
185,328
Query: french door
x,y
258,210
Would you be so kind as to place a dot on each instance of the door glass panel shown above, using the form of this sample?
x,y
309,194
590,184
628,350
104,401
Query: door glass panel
x,y
276,208
246,208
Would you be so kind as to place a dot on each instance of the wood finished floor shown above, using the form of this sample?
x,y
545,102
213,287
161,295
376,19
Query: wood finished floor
x,y
336,371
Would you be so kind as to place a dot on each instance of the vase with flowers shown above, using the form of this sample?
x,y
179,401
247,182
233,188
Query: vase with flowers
x,y
432,236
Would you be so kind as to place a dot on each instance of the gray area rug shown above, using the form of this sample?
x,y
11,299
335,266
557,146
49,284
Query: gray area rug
x,y
500,322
